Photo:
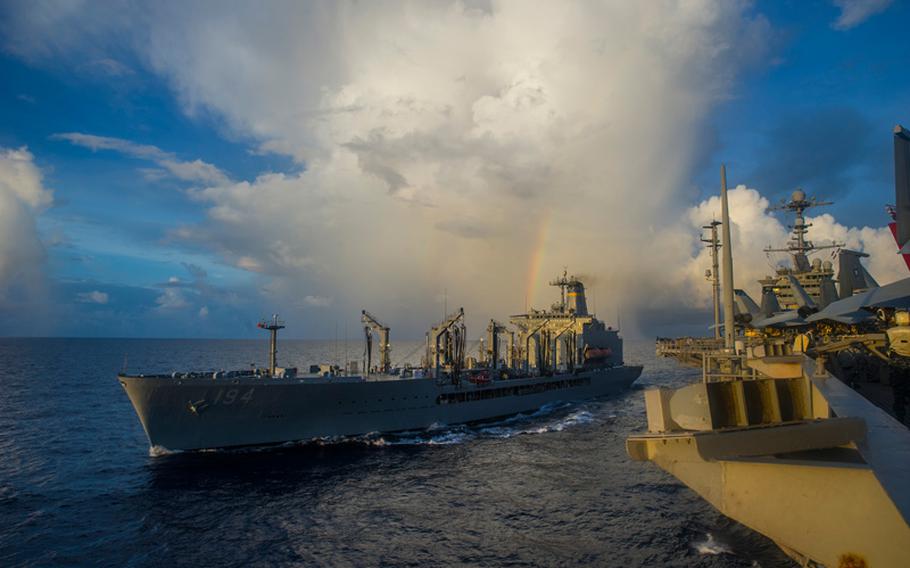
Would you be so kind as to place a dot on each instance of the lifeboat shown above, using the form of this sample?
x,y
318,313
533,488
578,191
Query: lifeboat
x,y
479,378
597,353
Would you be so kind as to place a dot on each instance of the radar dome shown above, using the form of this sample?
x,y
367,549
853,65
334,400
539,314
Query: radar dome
x,y
798,195
816,263
827,265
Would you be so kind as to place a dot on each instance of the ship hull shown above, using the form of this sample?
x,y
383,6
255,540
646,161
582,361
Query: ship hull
x,y
203,413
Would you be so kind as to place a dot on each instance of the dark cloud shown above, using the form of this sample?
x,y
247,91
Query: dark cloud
x,y
195,271
675,321
824,151
467,228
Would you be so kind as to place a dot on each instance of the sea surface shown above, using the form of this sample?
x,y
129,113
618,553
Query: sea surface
x,y
80,487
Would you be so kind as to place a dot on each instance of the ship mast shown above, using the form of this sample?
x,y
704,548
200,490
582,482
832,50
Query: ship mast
x,y
729,329
371,323
563,282
272,326
799,247
714,273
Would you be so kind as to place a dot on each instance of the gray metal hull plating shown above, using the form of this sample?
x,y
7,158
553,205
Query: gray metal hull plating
x,y
216,413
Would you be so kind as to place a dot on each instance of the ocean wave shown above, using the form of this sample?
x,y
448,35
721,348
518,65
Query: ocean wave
x,y
158,451
518,425
711,546
546,419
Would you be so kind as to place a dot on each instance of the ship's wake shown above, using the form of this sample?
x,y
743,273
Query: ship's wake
x,y
158,451
554,417
711,546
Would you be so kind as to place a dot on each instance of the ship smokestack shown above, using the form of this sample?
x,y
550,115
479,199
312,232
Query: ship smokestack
x,y
571,295
575,298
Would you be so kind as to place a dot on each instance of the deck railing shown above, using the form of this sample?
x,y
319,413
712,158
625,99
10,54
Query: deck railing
x,y
670,346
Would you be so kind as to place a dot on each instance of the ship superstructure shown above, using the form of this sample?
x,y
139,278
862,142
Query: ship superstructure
x,y
562,354
792,293
566,335
814,275
817,276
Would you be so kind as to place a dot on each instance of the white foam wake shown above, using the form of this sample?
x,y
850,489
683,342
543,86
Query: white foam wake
x,y
518,425
544,420
158,451
711,546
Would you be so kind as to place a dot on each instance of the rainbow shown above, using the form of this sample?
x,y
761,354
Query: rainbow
x,y
537,254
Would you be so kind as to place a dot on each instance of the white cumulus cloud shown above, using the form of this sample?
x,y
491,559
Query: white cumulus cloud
x,y
317,301
172,299
855,12
93,297
191,171
443,145
754,228
471,148
22,198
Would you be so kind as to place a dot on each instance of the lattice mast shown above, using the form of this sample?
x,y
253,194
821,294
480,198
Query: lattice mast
x,y
714,274
799,247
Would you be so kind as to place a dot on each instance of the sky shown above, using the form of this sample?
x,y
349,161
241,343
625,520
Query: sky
x,y
185,169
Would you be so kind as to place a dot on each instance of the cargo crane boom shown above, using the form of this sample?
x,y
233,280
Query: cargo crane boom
x,y
445,344
385,348
493,344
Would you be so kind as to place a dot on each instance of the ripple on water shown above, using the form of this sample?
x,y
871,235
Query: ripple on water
x,y
80,486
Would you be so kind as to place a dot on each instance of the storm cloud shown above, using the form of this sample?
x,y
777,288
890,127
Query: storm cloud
x,y
458,149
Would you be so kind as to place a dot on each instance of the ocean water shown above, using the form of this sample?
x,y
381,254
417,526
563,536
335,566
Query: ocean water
x,y
79,486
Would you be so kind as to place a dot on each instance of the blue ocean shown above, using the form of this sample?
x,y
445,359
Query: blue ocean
x,y
80,487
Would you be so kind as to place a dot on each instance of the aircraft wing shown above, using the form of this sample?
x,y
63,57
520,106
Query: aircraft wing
x,y
789,318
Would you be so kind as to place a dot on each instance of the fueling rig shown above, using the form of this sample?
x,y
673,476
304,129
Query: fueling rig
x,y
371,324
560,339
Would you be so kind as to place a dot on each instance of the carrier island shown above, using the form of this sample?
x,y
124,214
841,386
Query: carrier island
x,y
562,353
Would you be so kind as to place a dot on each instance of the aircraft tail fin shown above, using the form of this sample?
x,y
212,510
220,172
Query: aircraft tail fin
x,y
804,301
769,303
745,308
828,293
852,275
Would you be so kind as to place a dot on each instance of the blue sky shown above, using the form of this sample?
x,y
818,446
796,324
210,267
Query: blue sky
x,y
813,106
823,109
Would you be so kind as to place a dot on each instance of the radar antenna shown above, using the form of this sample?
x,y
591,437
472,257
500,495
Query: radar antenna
x,y
799,247
562,282
714,274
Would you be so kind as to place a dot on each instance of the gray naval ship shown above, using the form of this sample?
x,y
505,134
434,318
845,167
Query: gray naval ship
x,y
562,353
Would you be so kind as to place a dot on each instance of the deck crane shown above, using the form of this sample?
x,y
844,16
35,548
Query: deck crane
x,y
371,324
494,329
569,346
445,344
541,342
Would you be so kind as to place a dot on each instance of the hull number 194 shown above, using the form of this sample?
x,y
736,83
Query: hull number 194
x,y
230,396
